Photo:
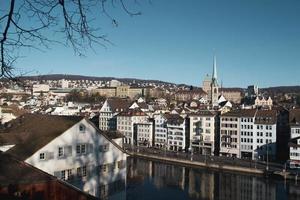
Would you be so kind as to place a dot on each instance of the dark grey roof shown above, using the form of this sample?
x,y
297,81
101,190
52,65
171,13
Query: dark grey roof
x,y
30,132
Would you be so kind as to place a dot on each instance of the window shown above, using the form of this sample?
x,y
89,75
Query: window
x,y
103,168
104,148
70,174
81,149
63,175
78,149
81,128
42,156
81,171
60,152
103,191
84,171
121,164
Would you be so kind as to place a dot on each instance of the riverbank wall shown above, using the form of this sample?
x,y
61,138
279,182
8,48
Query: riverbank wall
x,y
193,163
215,166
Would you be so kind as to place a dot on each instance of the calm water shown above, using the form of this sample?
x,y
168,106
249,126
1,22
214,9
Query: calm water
x,y
154,180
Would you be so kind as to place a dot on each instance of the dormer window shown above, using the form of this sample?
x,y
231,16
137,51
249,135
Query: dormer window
x,y
81,128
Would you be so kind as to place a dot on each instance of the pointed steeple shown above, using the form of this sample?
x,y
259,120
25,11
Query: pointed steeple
x,y
214,75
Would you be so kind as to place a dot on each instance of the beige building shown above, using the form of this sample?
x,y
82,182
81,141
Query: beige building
x,y
126,122
105,91
122,91
135,92
187,95
233,95
206,84
264,102
157,92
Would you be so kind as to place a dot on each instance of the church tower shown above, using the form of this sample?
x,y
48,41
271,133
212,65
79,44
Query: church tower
x,y
214,85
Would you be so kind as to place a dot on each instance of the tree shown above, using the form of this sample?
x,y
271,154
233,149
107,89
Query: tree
x,y
24,24
298,99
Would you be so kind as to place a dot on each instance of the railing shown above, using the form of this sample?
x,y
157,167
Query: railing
x,y
208,159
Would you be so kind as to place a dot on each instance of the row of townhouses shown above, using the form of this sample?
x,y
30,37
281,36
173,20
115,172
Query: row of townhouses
x,y
242,133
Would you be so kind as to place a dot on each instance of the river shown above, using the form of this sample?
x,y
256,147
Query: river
x,y
152,180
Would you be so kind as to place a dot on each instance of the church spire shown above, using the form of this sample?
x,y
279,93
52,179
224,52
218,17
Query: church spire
x,y
214,75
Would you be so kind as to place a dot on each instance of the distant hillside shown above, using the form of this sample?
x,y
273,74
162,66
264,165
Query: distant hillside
x,y
271,90
92,78
281,89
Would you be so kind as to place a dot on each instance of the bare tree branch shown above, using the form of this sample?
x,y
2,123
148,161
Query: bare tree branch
x,y
75,19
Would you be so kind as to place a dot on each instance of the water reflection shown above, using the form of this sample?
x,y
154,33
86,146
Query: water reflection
x,y
104,183
154,180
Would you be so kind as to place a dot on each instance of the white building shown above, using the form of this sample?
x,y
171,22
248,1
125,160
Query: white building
x,y
114,83
265,125
144,133
177,137
109,111
6,115
160,131
203,132
38,89
70,148
249,133
64,84
294,143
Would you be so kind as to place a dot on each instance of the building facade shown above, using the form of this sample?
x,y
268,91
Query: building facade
x,y
230,134
126,124
109,111
160,131
73,150
294,143
203,132
177,134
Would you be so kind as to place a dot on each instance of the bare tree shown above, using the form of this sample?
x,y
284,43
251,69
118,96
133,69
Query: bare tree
x,y
26,24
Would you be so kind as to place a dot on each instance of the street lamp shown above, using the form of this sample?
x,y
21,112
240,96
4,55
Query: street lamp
x,y
166,146
191,150
204,155
267,168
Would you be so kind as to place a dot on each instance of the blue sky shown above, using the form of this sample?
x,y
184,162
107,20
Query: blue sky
x,y
256,42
